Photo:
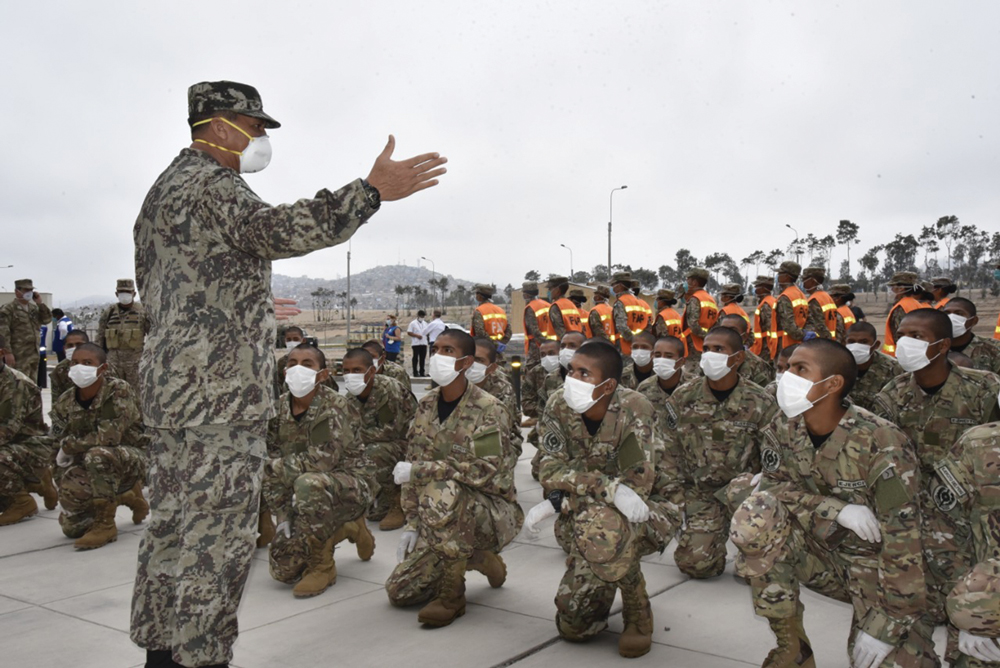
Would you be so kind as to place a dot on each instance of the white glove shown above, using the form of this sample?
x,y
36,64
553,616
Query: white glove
x,y
285,528
407,542
861,520
62,459
401,473
978,647
537,514
869,652
756,482
631,504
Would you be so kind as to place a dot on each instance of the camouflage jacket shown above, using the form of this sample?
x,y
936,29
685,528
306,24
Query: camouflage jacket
x,y
122,328
985,353
326,439
668,489
59,380
786,319
620,317
716,442
111,420
472,447
692,318
387,413
866,461
534,378
597,325
628,381
279,379
20,408
397,373
765,323
21,325
552,384
204,242
934,423
871,381
816,323
756,370
500,388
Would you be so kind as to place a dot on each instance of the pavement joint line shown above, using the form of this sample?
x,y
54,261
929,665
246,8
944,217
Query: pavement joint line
x,y
529,652
86,593
82,619
306,612
696,651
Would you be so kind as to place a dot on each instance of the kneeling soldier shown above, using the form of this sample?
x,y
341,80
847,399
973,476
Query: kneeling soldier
x,y
974,608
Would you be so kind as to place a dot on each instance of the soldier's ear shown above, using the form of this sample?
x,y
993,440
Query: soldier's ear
x,y
972,322
322,375
740,358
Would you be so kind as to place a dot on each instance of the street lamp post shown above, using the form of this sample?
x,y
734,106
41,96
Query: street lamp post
x,y
611,217
796,241
433,277
570,260
348,300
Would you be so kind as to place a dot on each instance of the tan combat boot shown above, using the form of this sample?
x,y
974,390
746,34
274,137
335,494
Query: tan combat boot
x,y
321,571
790,652
136,502
637,638
21,508
450,602
357,532
103,530
394,519
489,564
265,528
45,488
529,422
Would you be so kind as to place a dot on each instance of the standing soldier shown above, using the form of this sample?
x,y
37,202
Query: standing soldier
x,y
602,323
386,367
488,319
563,313
386,410
700,313
821,318
579,299
458,489
841,295
628,313
765,343
668,321
121,332
731,296
838,512
941,288
791,307
875,369
21,322
904,286
984,353
537,330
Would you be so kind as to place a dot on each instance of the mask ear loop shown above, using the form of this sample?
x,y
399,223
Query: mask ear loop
x,y
222,148
821,398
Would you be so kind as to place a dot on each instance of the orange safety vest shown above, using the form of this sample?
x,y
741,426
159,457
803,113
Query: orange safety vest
x,y
732,308
759,336
494,319
829,311
707,317
800,309
638,313
675,325
570,315
585,322
848,315
996,332
907,304
607,320
540,308
942,302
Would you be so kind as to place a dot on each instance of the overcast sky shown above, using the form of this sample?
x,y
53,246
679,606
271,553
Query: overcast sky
x,y
726,120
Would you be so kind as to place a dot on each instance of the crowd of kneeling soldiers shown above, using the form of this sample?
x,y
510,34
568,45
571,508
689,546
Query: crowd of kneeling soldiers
x,y
839,470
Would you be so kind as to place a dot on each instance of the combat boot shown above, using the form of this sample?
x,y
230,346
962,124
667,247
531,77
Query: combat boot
x,y
103,530
450,602
45,488
265,528
21,508
358,533
489,564
637,638
136,502
805,658
529,422
394,519
321,570
790,652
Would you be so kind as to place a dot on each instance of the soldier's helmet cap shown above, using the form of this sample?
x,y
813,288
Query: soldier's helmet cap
x,y
577,293
209,97
818,273
974,604
604,538
635,284
793,269
698,272
903,278
839,290
759,529
485,290
126,284
531,287
622,277
24,284
668,295
764,281
942,282
603,291
731,289
556,281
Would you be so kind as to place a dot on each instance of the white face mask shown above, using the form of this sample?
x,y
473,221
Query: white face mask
x,y
641,357
69,352
388,322
862,352
664,368
565,355
911,353
443,371
291,344
256,156
793,394
355,383
778,376
579,395
476,373
28,295
550,363
715,365
300,380
125,298
958,325
83,376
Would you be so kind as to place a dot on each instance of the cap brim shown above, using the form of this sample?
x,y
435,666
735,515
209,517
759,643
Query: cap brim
x,y
269,122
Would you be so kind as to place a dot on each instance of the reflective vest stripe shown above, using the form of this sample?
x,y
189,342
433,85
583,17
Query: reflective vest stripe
x,y
908,304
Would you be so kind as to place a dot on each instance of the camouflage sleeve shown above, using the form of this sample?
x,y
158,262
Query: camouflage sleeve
x,y
692,318
668,486
6,324
44,313
841,330
815,322
507,334
273,449
25,417
620,318
597,326
885,406
102,327
895,318
478,325
659,327
555,317
529,389
334,451
765,319
109,432
531,324
245,222
786,319
146,322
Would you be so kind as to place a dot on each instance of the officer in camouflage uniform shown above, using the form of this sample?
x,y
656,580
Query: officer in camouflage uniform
x,y
753,368
318,481
458,490
484,294
621,284
24,451
496,383
692,312
812,282
823,469
985,353
934,405
102,451
385,367
974,607
386,410
21,322
204,246
122,330
292,337
716,426
788,274
875,368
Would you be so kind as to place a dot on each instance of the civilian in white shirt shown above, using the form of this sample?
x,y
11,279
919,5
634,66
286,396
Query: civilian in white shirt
x,y
434,328
418,342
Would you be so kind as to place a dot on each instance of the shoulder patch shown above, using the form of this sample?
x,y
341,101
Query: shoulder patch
x,y
487,444
630,453
943,497
321,433
553,442
671,416
770,458
108,411
890,493
385,414
948,477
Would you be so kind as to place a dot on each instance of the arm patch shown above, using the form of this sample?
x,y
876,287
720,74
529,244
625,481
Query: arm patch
x,y
487,444
629,454
108,411
890,493
385,414
321,433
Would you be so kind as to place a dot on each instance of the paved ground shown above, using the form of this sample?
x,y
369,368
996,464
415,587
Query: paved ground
x,y
59,607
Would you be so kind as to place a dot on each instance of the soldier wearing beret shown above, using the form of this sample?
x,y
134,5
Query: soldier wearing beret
x,y
903,286
700,313
821,319
765,344
204,246
122,330
21,321
488,319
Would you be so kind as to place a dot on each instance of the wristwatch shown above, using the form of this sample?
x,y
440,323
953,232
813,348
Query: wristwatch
x,y
371,194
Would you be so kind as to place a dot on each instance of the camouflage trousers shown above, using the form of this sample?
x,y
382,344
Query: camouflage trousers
x,y
194,559
18,464
384,457
455,520
101,473
126,364
701,547
583,600
851,579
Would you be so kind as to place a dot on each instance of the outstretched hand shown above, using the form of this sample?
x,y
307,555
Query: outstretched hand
x,y
398,179
285,308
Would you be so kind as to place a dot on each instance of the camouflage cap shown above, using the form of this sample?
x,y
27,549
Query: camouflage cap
x,y
577,293
125,284
764,281
942,282
556,281
698,272
24,284
731,289
666,295
604,538
759,529
530,287
209,97
621,277
485,290
634,285
818,273
603,291
907,278
738,489
839,290
926,286
793,269
974,604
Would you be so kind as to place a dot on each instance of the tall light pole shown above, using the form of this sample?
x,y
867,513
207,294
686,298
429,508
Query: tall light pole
x,y
611,217
570,260
433,277
348,300
796,241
